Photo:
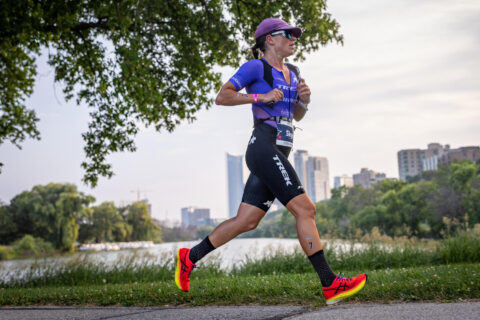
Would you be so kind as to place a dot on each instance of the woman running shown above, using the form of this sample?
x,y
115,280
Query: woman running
x,y
277,97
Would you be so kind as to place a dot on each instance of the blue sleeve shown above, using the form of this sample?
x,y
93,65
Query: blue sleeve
x,y
248,73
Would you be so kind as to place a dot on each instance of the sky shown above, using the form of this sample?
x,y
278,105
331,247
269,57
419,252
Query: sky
x,y
407,75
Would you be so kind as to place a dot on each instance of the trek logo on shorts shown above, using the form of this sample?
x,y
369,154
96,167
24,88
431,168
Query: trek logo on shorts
x,y
282,170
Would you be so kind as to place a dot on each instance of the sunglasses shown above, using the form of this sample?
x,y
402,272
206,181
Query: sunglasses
x,y
285,33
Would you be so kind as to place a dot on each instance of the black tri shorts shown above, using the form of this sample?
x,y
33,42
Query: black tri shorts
x,y
271,174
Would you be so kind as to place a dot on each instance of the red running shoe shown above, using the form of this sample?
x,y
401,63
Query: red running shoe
x,y
183,269
342,288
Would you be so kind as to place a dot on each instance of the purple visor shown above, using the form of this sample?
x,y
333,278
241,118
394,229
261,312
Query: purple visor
x,y
273,24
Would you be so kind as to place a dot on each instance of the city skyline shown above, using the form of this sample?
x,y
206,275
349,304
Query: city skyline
x,y
395,84
412,162
313,174
304,165
194,216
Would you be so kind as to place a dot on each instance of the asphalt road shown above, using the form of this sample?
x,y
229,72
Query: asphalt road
x,y
463,310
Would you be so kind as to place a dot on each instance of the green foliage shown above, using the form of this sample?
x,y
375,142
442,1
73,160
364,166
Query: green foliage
x,y
134,62
103,223
288,226
437,283
465,246
374,256
8,227
204,231
178,234
142,224
49,212
60,215
270,226
420,208
29,246
439,205
5,253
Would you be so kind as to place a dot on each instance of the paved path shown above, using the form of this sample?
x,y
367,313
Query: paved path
x,y
443,311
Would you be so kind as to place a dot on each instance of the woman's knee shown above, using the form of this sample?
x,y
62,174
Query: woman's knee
x,y
249,217
250,224
308,212
302,207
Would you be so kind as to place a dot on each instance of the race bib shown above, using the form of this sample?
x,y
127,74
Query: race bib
x,y
285,133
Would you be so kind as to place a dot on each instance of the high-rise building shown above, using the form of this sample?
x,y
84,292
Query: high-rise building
x,y
318,184
343,180
235,183
194,216
313,174
432,154
300,158
436,149
410,162
367,178
459,154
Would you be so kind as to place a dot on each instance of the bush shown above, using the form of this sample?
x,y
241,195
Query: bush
x,y
464,247
5,253
30,246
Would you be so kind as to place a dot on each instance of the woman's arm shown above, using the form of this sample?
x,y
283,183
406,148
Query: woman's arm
x,y
304,97
228,96
299,112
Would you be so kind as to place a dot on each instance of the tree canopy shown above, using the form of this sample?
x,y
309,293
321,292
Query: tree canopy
x,y
134,62
48,212
62,216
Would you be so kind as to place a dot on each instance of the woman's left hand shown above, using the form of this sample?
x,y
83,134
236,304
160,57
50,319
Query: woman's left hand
x,y
303,91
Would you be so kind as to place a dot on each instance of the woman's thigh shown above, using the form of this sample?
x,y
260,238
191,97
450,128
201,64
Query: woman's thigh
x,y
257,193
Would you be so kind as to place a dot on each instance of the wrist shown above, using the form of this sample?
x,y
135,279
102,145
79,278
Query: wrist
x,y
261,97
303,105
255,98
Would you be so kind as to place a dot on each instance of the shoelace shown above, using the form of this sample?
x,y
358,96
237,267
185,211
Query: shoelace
x,y
342,286
343,278
185,268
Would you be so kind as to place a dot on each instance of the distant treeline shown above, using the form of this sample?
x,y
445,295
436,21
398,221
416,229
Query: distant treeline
x,y
433,205
61,215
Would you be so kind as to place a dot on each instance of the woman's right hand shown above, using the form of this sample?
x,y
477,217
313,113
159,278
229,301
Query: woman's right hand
x,y
275,95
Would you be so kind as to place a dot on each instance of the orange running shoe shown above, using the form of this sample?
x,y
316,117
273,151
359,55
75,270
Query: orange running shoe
x,y
183,269
342,288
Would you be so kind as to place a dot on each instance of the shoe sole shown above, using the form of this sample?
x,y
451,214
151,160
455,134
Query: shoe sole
x,y
177,272
347,294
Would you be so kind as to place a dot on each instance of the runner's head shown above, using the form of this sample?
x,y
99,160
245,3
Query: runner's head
x,y
271,28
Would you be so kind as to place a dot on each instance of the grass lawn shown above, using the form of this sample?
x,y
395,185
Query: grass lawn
x,y
438,282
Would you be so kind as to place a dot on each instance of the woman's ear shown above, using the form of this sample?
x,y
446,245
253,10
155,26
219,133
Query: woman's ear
x,y
269,39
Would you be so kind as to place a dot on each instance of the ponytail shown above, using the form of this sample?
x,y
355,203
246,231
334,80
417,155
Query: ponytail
x,y
256,51
259,46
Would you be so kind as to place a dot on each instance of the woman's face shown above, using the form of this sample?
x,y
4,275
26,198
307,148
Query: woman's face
x,y
282,42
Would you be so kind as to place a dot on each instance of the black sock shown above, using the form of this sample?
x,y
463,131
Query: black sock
x,y
201,250
323,269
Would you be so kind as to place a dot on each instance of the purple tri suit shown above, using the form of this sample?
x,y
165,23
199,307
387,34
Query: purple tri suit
x,y
272,176
250,77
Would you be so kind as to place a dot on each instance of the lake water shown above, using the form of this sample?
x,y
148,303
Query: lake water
x,y
235,252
